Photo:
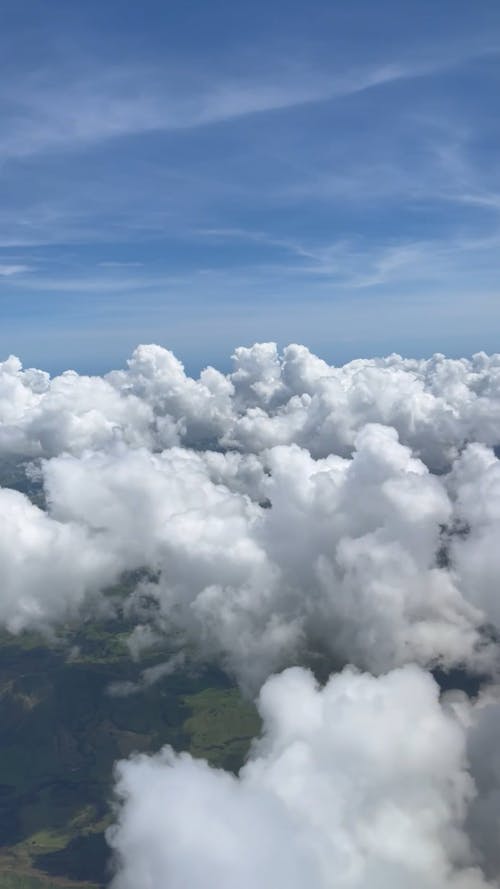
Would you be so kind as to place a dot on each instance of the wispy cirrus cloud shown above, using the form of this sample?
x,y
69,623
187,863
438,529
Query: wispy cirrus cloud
x,y
87,108
9,270
331,165
356,264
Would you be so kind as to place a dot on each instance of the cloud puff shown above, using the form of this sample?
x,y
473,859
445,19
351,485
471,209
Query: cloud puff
x,y
124,688
43,416
474,485
435,405
48,568
483,819
360,785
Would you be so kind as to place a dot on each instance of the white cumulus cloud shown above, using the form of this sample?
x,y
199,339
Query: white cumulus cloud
x,y
363,784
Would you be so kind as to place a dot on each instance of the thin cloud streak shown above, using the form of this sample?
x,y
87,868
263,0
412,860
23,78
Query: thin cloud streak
x,y
8,271
116,103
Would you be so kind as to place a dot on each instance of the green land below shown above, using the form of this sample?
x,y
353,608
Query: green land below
x,y
61,731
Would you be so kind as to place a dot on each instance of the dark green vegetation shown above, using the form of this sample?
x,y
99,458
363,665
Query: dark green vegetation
x,y
61,731
23,476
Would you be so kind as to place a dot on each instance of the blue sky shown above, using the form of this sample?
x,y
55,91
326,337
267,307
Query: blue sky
x,y
207,174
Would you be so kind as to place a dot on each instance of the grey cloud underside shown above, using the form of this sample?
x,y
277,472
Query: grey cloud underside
x,y
284,513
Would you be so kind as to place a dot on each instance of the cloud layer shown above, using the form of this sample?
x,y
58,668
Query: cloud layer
x,y
286,513
436,405
280,511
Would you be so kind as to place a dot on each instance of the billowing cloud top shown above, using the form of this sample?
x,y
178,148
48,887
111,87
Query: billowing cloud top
x,y
435,405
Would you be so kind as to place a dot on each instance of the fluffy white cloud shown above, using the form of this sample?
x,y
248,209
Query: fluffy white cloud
x,y
40,416
263,562
436,405
475,487
49,569
360,785
483,820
